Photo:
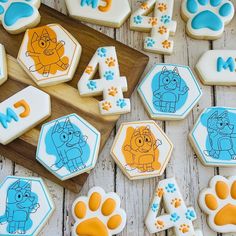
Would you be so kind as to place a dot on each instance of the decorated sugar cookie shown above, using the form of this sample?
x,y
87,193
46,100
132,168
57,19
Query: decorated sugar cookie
x,y
214,136
112,13
160,24
98,214
18,15
169,91
110,84
217,67
23,111
25,206
141,149
68,146
206,19
3,65
49,54
219,203
177,215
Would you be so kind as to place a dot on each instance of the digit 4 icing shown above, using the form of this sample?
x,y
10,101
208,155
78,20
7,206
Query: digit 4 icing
x,y
49,54
3,65
206,19
161,25
177,216
141,149
98,214
22,112
18,15
219,203
111,85
68,146
217,67
112,13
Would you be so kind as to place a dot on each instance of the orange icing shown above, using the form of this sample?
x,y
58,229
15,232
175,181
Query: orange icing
x,y
233,190
107,7
25,105
80,210
227,215
222,190
211,202
108,207
95,201
114,222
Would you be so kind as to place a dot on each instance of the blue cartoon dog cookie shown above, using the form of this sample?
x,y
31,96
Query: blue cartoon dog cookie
x,y
206,19
25,206
214,136
169,91
68,146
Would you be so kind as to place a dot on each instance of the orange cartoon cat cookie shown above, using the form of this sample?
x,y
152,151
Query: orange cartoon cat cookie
x,y
141,149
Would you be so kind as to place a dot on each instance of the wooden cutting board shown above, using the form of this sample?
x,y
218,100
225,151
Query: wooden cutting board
x,y
65,97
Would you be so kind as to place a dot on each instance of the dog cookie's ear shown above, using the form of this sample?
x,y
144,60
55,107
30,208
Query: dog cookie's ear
x,y
45,33
214,115
68,124
56,127
15,185
176,71
164,69
224,115
35,37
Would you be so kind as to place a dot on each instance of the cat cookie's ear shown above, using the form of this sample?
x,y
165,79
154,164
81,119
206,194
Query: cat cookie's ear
x,y
56,127
214,115
224,115
176,71
35,37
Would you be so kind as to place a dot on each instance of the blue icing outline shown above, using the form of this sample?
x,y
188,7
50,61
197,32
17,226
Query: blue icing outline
x,y
93,3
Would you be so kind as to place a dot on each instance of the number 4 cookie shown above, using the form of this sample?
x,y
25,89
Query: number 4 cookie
x,y
3,65
160,25
110,84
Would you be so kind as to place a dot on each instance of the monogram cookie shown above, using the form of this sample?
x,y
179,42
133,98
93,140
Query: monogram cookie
x,y
3,65
25,206
68,146
169,92
49,54
23,111
160,25
141,149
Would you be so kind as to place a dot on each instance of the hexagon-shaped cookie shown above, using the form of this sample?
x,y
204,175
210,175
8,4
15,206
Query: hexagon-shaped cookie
x,y
141,149
214,136
102,12
169,91
68,146
49,54
25,206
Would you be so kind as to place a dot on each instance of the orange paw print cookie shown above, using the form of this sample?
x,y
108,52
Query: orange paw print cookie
x,y
177,215
98,214
219,203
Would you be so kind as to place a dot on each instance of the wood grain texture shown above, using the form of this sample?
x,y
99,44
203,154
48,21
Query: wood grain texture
x,y
65,97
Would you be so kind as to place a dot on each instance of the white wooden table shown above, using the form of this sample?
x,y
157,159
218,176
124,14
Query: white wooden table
x,y
184,165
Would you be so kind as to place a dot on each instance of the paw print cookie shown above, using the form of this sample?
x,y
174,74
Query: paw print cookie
x,y
169,91
217,67
160,25
49,55
213,136
26,206
141,149
3,65
109,13
219,203
111,84
68,146
22,112
98,214
206,19
177,215
18,15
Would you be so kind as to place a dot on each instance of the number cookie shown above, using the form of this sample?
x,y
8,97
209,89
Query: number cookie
x,y
18,15
111,85
110,13
3,65
98,214
169,91
49,54
141,149
217,67
26,206
178,215
219,203
206,19
21,112
68,146
160,25
213,136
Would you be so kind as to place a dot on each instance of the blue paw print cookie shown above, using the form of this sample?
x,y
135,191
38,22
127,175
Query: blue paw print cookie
x,y
206,19
17,16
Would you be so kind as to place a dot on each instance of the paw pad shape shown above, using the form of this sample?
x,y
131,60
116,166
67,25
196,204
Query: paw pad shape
x,y
206,19
18,15
98,214
219,203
